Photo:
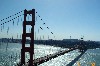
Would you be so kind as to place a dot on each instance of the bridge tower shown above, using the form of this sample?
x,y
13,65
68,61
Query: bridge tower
x,y
31,35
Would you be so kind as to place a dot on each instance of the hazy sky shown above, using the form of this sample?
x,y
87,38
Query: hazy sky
x,y
65,18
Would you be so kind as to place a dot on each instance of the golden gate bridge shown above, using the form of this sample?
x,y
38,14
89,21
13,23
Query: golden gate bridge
x,y
34,62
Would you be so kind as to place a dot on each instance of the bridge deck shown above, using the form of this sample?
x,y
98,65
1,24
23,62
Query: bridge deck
x,y
49,57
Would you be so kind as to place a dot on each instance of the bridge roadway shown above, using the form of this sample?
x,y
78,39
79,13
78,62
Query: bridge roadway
x,y
49,57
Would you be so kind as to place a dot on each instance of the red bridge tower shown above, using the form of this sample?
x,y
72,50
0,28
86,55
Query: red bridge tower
x,y
31,35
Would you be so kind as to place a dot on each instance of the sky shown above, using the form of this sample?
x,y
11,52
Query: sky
x,y
65,18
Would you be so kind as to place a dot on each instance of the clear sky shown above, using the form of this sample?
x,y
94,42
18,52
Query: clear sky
x,y
65,18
